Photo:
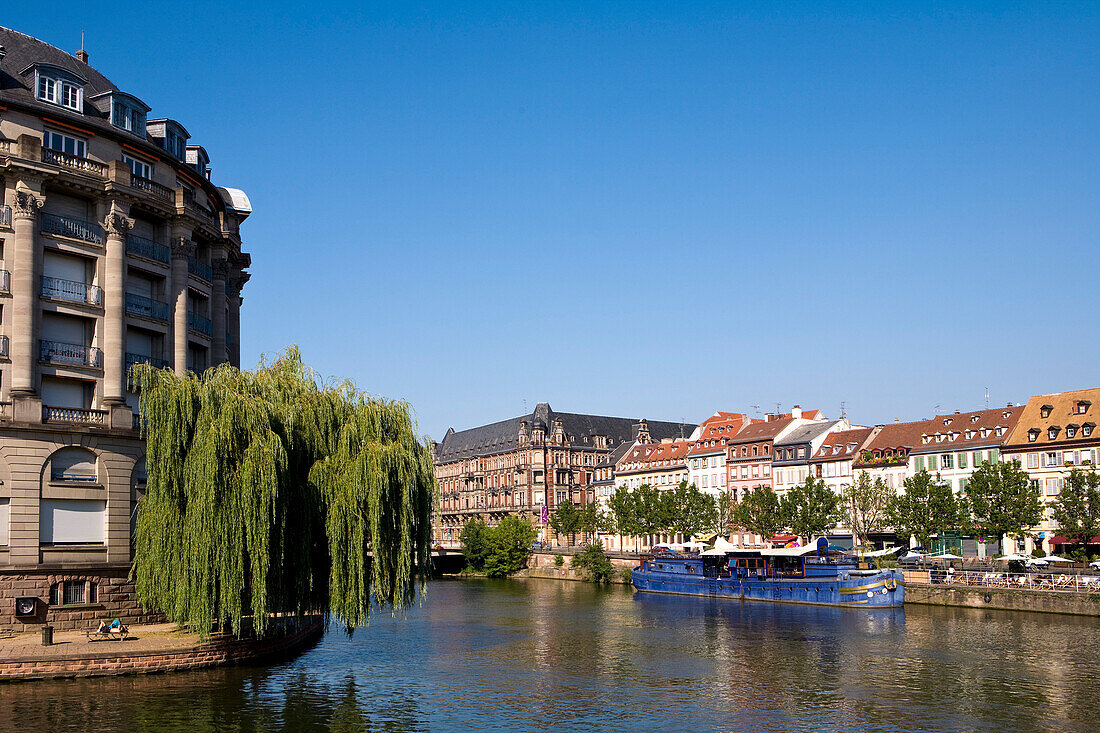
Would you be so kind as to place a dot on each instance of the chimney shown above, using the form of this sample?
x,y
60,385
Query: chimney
x,y
796,412
82,56
896,421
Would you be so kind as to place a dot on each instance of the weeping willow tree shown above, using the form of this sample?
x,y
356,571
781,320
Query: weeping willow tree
x,y
275,492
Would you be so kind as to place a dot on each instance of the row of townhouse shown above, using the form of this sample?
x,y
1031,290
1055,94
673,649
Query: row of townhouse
x,y
1048,436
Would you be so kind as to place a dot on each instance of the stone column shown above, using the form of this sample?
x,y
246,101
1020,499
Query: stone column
x,y
233,331
217,311
26,281
183,249
117,225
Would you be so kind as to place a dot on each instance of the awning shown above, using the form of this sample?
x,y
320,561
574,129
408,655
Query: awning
x,y
784,538
1060,540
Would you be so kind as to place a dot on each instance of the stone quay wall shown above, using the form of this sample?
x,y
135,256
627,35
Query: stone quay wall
x,y
214,653
1006,599
114,598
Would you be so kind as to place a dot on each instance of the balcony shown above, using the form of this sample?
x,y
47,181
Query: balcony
x,y
56,352
142,307
199,323
5,215
200,269
156,190
64,226
132,359
74,163
71,291
147,248
73,415
5,281
4,347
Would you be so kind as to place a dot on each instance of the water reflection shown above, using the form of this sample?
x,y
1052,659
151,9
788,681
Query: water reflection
x,y
546,654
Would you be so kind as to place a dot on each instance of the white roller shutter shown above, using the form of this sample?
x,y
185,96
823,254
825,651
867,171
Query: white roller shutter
x,y
71,521
64,267
58,392
5,519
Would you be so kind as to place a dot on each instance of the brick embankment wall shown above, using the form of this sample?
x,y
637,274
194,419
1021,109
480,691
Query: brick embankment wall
x,y
1007,599
118,661
541,565
114,599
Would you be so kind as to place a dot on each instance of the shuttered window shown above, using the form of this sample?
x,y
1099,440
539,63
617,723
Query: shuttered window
x,y
962,460
71,521
920,463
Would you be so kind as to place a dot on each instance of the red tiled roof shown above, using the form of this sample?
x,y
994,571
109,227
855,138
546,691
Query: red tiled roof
x,y
716,430
761,431
652,456
848,442
967,428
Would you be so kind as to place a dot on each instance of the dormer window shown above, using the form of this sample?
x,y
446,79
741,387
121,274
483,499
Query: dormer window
x,y
925,439
1045,410
128,117
1006,415
985,432
1000,432
969,434
1033,435
946,422
1086,429
1083,406
57,86
975,418
1071,430
1052,432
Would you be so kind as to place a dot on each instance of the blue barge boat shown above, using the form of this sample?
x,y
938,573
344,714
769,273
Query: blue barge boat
x,y
788,575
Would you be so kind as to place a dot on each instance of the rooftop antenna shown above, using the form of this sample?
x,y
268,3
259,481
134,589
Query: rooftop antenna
x,y
936,410
987,398
777,408
843,413
682,421
524,405
756,409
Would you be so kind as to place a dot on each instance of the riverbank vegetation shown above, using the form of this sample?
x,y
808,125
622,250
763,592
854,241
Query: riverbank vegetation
x,y
594,564
497,551
276,491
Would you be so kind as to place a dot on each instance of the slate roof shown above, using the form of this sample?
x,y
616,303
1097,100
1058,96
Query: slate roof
x,y
1062,415
806,433
761,431
503,436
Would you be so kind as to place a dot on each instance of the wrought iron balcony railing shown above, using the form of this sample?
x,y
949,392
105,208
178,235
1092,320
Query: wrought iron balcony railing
x,y
139,305
153,188
65,226
132,359
71,291
73,415
74,163
200,269
57,352
199,323
147,248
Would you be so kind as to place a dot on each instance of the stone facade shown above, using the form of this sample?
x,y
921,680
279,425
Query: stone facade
x,y
115,250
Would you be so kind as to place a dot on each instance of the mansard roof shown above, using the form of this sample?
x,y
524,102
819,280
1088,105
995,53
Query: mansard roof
x,y
579,429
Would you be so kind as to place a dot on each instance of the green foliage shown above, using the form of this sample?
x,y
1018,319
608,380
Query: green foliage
x,y
274,492
626,575
724,515
594,564
1077,508
1003,500
591,519
559,560
866,503
688,510
565,519
509,547
927,507
622,513
651,511
475,543
759,512
811,509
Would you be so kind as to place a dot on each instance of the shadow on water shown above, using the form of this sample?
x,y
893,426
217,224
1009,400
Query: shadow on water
x,y
521,655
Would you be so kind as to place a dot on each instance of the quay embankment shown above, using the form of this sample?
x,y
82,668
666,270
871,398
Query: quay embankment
x,y
149,649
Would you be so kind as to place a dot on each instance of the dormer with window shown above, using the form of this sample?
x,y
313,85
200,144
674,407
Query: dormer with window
x,y
198,159
1033,435
54,85
975,418
1052,432
925,439
1082,406
1045,410
1001,430
1006,415
969,434
125,111
169,135
985,432
1071,430
1086,429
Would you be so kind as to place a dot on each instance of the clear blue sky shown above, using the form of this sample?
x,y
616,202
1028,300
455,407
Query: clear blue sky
x,y
646,209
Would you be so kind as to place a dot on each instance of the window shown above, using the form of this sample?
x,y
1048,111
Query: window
x,y
70,96
66,92
1071,430
919,463
1052,432
1086,430
1053,486
1045,410
73,593
73,464
71,521
962,460
128,118
947,461
1032,435
63,143
47,89
139,168
1032,460
1052,459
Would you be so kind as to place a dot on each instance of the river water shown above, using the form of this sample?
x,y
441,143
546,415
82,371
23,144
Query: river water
x,y
563,656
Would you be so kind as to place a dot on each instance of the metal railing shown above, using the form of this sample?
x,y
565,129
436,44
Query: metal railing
x,y
71,291
132,359
65,226
74,163
4,352
1045,581
57,352
73,415
199,323
5,146
139,305
5,215
159,191
200,269
147,248
5,281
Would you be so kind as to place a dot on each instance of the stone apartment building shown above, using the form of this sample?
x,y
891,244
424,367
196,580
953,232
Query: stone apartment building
x,y
706,459
791,462
117,249
525,466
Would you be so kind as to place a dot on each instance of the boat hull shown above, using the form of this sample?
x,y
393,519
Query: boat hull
x,y
881,590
